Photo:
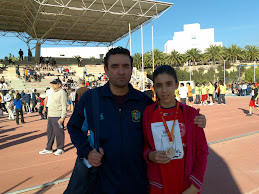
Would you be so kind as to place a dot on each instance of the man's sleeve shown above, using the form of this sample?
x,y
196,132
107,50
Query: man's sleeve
x,y
76,98
148,100
64,105
74,126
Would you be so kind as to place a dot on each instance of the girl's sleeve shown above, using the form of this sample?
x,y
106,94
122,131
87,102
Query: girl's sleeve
x,y
147,148
201,157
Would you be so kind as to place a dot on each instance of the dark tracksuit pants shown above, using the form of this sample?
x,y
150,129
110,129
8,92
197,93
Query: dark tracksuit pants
x,y
17,115
221,99
46,113
40,111
33,109
197,99
53,130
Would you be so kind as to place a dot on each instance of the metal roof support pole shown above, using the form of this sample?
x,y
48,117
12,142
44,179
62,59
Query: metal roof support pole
x,y
153,60
224,72
37,52
254,72
142,58
130,37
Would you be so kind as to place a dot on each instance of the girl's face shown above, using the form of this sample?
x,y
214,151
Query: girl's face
x,y
165,86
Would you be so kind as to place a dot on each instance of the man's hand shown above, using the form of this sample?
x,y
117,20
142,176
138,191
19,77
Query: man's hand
x,y
191,190
95,158
61,121
159,157
44,110
200,120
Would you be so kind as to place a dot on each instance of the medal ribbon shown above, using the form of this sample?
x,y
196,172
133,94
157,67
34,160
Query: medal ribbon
x,y
170,135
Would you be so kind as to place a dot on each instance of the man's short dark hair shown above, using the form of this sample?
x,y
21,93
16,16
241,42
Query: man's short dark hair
x,y
182,84
188,83
115,51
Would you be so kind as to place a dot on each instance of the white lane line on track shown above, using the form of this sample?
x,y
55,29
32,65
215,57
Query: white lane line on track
x,y
37,165
67,179
232,138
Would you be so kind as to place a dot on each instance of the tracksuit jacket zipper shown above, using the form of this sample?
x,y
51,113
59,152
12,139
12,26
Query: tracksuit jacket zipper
x,y
122,146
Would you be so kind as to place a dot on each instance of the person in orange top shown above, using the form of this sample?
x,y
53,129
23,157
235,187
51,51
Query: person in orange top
x,y
136,86
155,97
26,74
190,97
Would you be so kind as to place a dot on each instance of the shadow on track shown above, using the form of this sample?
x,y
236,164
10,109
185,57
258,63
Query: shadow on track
x,y
23,140
17,185
44,189
218,178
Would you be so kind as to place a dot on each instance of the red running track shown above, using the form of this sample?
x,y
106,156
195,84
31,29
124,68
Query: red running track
x,y
233,166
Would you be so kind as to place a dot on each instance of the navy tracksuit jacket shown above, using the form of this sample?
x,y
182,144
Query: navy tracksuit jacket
x,y
123,168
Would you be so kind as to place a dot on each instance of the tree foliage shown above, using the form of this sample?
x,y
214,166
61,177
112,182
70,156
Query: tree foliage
x,y
214,53
251,53
193,55
249,74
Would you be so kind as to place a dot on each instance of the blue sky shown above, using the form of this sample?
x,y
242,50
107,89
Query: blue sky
x,y
234,21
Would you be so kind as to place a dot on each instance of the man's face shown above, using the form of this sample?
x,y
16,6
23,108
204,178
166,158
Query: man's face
x,y
56,86
119,70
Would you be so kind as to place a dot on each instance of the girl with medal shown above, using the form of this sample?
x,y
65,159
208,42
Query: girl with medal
x,y
176,149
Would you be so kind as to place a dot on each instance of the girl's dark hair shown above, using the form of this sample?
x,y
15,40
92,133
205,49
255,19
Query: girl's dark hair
x,y
165,69
197,84
115,51
18,96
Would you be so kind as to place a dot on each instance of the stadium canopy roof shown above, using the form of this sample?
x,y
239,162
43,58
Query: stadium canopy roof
x,y
85,21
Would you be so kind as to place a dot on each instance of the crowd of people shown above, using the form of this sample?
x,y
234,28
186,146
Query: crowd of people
x,y
158,160
205,93
12,58
38,72
242,89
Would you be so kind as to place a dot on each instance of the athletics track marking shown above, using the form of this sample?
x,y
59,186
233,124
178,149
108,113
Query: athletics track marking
x,y
67,179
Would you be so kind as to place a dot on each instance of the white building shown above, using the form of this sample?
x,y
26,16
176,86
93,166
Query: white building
x,y
192,37
70,52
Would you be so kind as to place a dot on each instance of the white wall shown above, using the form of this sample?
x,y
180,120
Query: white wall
x,y
69,52
191,37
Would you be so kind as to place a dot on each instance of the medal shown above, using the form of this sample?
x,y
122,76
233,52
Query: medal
x,y
170,152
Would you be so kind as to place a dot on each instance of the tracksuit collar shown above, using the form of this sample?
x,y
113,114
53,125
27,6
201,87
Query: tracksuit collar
x,y
106,91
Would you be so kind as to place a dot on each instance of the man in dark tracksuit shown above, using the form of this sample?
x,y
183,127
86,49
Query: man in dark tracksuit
x,y
122,168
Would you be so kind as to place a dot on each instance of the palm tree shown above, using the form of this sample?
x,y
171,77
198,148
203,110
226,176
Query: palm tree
x,y
137,60
233,53
214,53
193,55
159,57
174,58
203,58
252,53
